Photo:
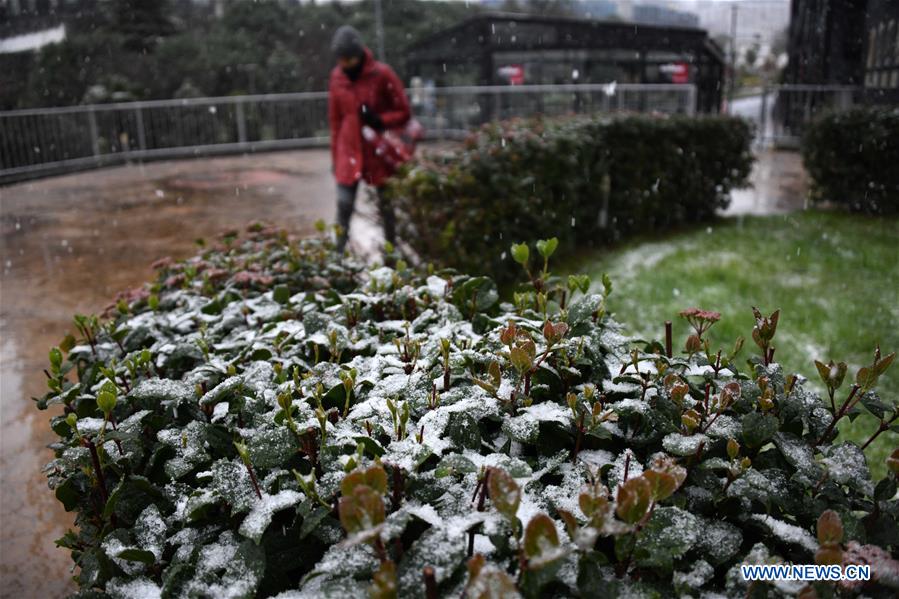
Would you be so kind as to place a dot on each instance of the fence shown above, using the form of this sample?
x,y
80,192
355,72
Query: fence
x,y
782,112
43,141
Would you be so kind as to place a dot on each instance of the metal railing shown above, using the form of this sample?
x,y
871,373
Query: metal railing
x,y
44,141
782,112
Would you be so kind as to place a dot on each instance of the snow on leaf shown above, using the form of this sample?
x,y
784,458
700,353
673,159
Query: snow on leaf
x,y
228,568
434,549
150,531
407,454
669,534
523,428
800,455
260,516
136,588
683,445
700,573
719,541
725,427
221,391
436,286
596,457
189,444
788,533
846,465
548,411
232,482
756,485
165,391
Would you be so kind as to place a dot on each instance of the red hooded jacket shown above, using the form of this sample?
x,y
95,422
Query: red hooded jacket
x,y
378,87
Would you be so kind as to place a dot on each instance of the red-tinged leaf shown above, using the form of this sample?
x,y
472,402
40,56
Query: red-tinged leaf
x,y
829,555
830,528
663,485
504,493
384,581
633,499
541,540
571,524
881,365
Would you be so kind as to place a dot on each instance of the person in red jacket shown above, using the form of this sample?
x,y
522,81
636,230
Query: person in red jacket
x,y
362,92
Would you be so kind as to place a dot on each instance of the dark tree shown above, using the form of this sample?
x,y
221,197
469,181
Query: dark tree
x,y
142,23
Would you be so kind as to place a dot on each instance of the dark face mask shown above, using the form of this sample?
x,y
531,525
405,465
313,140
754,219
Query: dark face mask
x,y
353,72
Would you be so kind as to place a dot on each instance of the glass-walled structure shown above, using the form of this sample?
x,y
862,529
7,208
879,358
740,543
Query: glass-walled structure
x,y
516,49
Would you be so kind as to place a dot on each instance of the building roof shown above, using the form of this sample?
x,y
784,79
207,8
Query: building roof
x,y
470,35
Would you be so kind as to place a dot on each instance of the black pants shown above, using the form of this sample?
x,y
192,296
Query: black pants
x,y
346,201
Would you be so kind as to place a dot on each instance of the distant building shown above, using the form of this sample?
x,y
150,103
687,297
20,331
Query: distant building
x,y
31,14
760,22
597,9
19,17
514,48
846,42
22,17
825,42
881,68
590,9
655,14
29,42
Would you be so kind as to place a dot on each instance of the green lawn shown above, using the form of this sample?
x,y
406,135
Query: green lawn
x,y
835,278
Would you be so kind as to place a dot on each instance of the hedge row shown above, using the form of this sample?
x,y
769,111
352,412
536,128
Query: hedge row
x,y
584,180
264,421
852,159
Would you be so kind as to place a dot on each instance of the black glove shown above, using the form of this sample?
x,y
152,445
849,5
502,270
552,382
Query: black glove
x,y
370,118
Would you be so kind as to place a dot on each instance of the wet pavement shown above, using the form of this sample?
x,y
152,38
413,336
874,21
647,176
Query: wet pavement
x,y
779,181
779,185
70,243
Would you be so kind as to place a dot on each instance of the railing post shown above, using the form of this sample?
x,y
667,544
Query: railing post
x,y
241,123
141,134
807,109
691,100
446,122
845,99
92,124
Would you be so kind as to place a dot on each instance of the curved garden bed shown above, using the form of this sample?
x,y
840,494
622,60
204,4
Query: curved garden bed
x,y
267,420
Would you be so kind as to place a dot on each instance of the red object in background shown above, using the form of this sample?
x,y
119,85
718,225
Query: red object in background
x,y
513,72
679,72
393,147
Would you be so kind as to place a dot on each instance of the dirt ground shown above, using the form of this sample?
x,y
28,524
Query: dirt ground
x,y
70,243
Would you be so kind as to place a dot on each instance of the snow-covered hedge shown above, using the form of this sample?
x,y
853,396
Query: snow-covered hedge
x,y
266,420
587,180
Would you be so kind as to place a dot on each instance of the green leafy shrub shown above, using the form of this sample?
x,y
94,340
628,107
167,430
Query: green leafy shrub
x,y
592,180
851,157
263,420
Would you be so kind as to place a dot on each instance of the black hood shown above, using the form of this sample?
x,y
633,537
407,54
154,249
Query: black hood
x,y
347,43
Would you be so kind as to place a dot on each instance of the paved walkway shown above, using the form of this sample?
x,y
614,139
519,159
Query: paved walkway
x,y
69,243
779,185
